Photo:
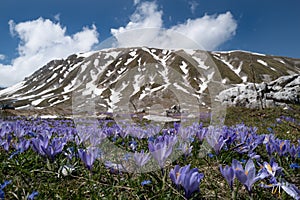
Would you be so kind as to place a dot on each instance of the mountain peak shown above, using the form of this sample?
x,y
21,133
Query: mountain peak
x,y
148,74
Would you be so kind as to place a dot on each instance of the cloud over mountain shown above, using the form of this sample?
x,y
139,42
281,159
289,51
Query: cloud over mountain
x,y
42,40
146,28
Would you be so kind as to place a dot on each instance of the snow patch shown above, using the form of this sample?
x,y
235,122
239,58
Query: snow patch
x,y
159,118
48,116
165,51
116,97
87,54
180,88
131,59
48,95
109,72
120,71
138,80
69,86
233,51
262,62
113,54
98,91
132,53
12,89
52,77
37,102
244,78
183,67
65,98
235,70
200,63
96,62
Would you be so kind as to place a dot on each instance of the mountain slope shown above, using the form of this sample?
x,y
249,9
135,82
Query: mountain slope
x,y
140,78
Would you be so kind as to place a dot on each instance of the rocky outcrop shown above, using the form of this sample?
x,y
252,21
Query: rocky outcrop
x,y
279,92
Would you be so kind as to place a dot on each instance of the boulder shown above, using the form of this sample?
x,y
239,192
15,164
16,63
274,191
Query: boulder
x,y
280,92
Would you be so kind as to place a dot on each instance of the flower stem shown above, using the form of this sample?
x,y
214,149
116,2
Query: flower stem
x,y
163,179
235,192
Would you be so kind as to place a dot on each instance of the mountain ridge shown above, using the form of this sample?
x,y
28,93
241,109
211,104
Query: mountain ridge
x,y
101,72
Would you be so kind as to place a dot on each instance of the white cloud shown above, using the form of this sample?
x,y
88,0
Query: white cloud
x,y
209,31
146,29
11,24
146,16
135,2
2,57
193,6
57,17
41,41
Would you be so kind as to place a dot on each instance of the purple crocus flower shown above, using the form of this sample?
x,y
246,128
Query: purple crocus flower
x,y
161,148
293,151
268,138
190,182
141,158
253,155
270,148
5,143
114,168
186,148
18,129
188,179
201,133
22,145
282,146
228,173
175,174
215,139
247,177
55,147
290,189
96,137
88,156
229,134
186,134
272,167
39,142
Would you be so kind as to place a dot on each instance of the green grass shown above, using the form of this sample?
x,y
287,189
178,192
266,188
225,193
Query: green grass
x,y
30,172
263,119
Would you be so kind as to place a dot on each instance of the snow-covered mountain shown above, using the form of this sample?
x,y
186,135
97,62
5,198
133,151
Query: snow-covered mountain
x,y
141,77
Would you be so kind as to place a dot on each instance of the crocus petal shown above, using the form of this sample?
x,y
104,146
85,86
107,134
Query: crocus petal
x,y
241,176
236,165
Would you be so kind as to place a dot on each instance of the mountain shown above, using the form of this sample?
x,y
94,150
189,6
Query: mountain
x,y
142,79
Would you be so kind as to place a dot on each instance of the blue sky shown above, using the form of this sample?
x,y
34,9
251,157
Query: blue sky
x,y
70,26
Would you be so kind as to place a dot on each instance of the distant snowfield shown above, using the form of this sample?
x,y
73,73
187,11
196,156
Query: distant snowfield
x,y
159,118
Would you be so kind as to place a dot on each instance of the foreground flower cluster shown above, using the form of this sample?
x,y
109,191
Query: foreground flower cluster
x,y
147,147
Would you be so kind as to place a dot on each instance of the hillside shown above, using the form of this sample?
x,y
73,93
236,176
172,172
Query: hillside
x,y
138,78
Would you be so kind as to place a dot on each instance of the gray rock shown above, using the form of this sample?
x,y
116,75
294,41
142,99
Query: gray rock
x,y
280,92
